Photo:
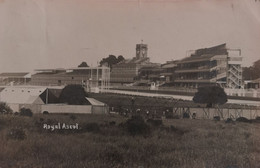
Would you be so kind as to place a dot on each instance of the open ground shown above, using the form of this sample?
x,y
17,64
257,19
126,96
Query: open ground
x,y
103,141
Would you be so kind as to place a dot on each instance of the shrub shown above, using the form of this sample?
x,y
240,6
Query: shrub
x,y
26,112
73,117
137,126
2,123
229,120
177,130
155,122
186,115
90,127
4,108
112,123
216,118
45,112
16,134
256,120
243,119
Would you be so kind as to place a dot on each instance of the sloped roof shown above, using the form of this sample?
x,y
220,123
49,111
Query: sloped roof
x,y
206,53
15,75
256,80
134,61
19,95
95,102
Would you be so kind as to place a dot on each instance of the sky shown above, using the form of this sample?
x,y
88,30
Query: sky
x,y
38,34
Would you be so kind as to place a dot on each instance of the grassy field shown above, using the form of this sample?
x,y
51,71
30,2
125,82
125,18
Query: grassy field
x,y
151,103
103,141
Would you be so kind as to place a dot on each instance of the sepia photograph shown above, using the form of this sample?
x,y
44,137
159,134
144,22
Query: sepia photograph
x,y
129,83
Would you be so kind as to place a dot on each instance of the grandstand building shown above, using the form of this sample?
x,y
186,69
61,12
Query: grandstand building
x,y
127,71
19,78
90,77
217,65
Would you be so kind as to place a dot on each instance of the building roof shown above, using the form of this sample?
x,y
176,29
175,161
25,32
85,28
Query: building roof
x,y
19,95
169,65
94,102
256,80
15,74
135,61
205,53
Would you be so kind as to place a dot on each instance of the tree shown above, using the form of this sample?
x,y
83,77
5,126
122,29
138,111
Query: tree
x,y
210,95
4,108
120,58
83,64
111,60
252,72
74,95
26,112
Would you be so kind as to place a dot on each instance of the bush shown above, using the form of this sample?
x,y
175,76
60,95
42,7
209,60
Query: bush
x,y
137,126
243,119
177,130
112,123
16,134
4,108
186,115
45,112
216,118
26,112
229,120
155,122
73,117
2,123
90,127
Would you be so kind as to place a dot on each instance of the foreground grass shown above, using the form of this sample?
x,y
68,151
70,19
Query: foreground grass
x,y
179,143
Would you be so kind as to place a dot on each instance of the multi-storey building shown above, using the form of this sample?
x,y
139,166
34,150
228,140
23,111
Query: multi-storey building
x,y
91,77
19,78
168,71
210,66
128,70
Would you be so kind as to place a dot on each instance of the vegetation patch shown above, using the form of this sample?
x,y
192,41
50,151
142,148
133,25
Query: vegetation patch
x,y
137,126
16,134
26,112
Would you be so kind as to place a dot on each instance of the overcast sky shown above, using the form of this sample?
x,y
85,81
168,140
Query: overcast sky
x,y
63,33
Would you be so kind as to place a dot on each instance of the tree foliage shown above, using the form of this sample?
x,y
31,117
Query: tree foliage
x,y
73,95
83,64
252,72
4,108
210,95
111,60
26,112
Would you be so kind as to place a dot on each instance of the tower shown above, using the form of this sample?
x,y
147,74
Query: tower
x,y
141,50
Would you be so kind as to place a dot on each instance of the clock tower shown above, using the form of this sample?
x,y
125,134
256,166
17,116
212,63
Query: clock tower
x,y
141,50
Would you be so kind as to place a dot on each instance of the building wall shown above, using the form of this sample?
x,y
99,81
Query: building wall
x,y
124,73
63,108
199,73
84,77
212,66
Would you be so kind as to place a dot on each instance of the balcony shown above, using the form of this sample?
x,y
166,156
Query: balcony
x,y
190,70
193,80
